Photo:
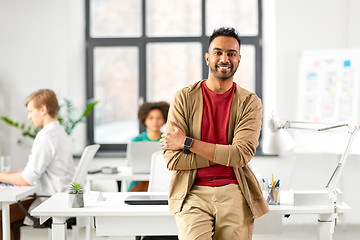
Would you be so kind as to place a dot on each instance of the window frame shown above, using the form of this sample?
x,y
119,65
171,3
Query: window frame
x,y
141,42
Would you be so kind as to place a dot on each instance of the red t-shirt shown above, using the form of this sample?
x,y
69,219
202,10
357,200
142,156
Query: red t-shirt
x,y
214,129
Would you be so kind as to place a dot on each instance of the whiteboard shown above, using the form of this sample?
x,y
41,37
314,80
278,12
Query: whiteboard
x,y
328,91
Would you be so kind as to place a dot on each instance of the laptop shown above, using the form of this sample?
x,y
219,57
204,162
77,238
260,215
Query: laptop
x,y
147,200
140,155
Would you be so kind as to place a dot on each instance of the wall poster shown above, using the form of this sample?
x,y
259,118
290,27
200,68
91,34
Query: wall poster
x,y
328,92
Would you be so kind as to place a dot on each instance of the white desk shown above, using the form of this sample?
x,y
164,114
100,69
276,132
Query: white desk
x,y
114,218
10,195
124,175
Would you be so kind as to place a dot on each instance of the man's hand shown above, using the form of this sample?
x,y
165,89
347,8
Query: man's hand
x,y
173,140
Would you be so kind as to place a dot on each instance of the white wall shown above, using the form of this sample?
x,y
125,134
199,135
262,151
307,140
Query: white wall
x,y
293,26
305,25
42,45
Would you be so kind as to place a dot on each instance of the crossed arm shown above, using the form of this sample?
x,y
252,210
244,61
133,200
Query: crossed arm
x,y
236,154
175,141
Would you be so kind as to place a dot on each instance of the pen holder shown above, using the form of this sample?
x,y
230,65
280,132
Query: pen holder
x,y
274,196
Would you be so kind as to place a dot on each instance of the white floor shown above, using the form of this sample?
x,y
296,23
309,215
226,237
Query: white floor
x,y
288,233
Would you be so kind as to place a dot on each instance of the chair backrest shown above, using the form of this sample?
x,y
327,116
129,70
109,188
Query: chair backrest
x,y
160,176
86,157
140,155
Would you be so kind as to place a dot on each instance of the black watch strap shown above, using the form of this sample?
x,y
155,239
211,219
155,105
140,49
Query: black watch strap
x,y
187,144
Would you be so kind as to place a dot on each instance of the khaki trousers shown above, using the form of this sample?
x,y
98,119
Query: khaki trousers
x,y
215,213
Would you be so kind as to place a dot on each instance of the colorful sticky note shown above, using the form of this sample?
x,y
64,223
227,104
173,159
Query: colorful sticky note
x,y
347,63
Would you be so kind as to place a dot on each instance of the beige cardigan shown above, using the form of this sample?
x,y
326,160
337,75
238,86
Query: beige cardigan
x,y
243,134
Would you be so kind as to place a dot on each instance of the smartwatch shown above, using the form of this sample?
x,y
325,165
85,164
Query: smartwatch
x,y
187,144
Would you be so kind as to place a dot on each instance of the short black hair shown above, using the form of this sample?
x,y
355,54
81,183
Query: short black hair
x,y
226,32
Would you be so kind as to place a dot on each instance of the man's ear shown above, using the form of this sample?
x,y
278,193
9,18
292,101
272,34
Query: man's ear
x,y
44,109
207,58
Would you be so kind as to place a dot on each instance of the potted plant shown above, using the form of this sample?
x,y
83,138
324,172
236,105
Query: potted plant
x,y
76,195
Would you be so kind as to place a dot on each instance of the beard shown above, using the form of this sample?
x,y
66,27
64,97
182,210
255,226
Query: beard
x,y
222,75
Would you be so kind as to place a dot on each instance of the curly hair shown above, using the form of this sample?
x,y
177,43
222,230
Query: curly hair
x,y
146,107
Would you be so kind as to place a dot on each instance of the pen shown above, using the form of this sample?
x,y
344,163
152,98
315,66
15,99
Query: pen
x,y
277,183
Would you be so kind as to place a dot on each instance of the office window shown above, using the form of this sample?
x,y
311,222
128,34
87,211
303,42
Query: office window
x,y
166,18
242,15
115,69
171,66
146,50
115,18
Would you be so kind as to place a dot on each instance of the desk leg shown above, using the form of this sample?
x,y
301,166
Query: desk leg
x,y
5,221
326,227
59,228
88,235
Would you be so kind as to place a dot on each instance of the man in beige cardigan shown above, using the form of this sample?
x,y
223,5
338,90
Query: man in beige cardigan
x,y
212,133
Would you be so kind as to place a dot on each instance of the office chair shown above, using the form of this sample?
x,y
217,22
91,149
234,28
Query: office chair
x,y
159,181
160,176
80,176
86,157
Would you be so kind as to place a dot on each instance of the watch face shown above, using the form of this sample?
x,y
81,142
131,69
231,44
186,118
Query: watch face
x,y
188,142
